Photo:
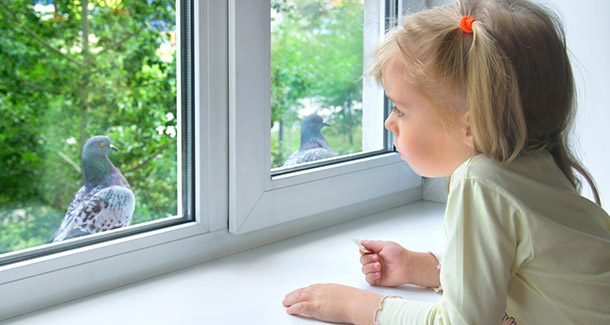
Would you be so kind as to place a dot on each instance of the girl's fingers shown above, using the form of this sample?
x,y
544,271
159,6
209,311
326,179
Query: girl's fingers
x,y
294,297
371,268
369,258
373,245
373,278
301,308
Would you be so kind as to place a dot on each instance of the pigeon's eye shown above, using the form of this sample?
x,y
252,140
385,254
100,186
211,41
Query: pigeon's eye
x,y
315,120
102,144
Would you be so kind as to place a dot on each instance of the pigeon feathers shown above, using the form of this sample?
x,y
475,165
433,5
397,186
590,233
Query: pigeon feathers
x,y
104,202
313,144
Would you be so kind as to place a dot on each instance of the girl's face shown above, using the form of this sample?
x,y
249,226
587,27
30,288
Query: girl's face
x,y
431,148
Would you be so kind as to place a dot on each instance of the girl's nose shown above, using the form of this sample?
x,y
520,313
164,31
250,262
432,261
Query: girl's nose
x,y
390,123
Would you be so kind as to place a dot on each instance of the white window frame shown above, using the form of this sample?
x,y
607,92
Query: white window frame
x,y
41,282
365,186
256,199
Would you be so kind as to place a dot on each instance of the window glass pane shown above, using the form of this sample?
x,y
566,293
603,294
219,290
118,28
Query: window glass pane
x,y
317,60
71,70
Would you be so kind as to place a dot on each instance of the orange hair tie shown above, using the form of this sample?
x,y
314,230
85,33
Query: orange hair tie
x,y
466,24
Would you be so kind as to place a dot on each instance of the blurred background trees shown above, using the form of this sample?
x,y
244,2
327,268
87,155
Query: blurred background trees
x,y
71,69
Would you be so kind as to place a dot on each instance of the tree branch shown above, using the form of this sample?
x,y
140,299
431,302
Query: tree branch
x,y
39,87
98,70
69,161
36,37
121,41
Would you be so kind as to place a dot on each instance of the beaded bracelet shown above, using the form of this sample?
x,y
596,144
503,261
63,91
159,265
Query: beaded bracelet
x,y
381,307
438,267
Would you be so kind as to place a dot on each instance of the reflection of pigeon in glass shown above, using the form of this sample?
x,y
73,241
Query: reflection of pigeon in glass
x,y
313,144
105,201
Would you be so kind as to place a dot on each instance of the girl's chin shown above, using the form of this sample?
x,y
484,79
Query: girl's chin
x,y
415,170
403,157
399,153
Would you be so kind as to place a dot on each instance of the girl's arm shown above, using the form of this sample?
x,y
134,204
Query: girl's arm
x,y
388,265
333,303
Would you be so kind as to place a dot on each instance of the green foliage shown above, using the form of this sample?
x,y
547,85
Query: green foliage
x,y
58,88
27,224
316,54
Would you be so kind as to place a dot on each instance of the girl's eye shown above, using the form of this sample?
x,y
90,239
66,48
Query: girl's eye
x,y
395,110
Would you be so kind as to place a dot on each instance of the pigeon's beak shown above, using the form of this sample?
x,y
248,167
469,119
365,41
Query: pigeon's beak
x,y
113,148
325,124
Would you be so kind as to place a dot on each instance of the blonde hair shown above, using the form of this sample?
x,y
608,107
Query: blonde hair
x,y
512,71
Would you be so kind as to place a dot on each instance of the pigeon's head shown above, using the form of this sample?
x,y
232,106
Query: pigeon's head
x,y
98,146
312,124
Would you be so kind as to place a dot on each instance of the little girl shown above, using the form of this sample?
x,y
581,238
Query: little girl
x,y
483,92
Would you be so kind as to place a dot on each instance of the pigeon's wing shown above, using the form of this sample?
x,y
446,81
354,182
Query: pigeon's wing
x,y
292,159
104,209
303,156
316,154
79,197
67,223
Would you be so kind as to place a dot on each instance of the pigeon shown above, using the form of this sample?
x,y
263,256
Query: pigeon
x,y
104,202
313,144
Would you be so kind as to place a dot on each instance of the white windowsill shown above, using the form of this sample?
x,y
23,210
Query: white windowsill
x,y
248,287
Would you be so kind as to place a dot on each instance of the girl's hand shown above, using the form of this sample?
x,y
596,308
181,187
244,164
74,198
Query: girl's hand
x,y
333,303
387,265
391,265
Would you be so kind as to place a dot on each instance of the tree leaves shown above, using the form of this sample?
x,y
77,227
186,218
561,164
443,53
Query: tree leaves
x,y
52,100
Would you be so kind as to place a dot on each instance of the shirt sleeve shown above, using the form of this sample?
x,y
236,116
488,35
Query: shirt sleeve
x,y
477,263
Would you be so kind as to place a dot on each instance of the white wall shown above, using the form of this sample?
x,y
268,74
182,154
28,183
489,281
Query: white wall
x,y
587,27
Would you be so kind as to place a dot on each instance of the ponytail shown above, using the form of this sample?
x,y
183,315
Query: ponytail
x,y
520,89
496,114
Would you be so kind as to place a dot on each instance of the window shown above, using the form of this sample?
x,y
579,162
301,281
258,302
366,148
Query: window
x,y
156,246
283,67
234,189
70,73
317,61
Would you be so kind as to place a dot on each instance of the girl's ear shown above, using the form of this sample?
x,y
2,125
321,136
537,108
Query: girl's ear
x,y
467,129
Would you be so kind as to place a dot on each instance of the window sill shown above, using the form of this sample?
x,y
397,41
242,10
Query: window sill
x,y
250,285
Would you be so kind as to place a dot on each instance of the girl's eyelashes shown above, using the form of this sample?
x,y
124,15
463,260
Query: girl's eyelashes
x,y
395,110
